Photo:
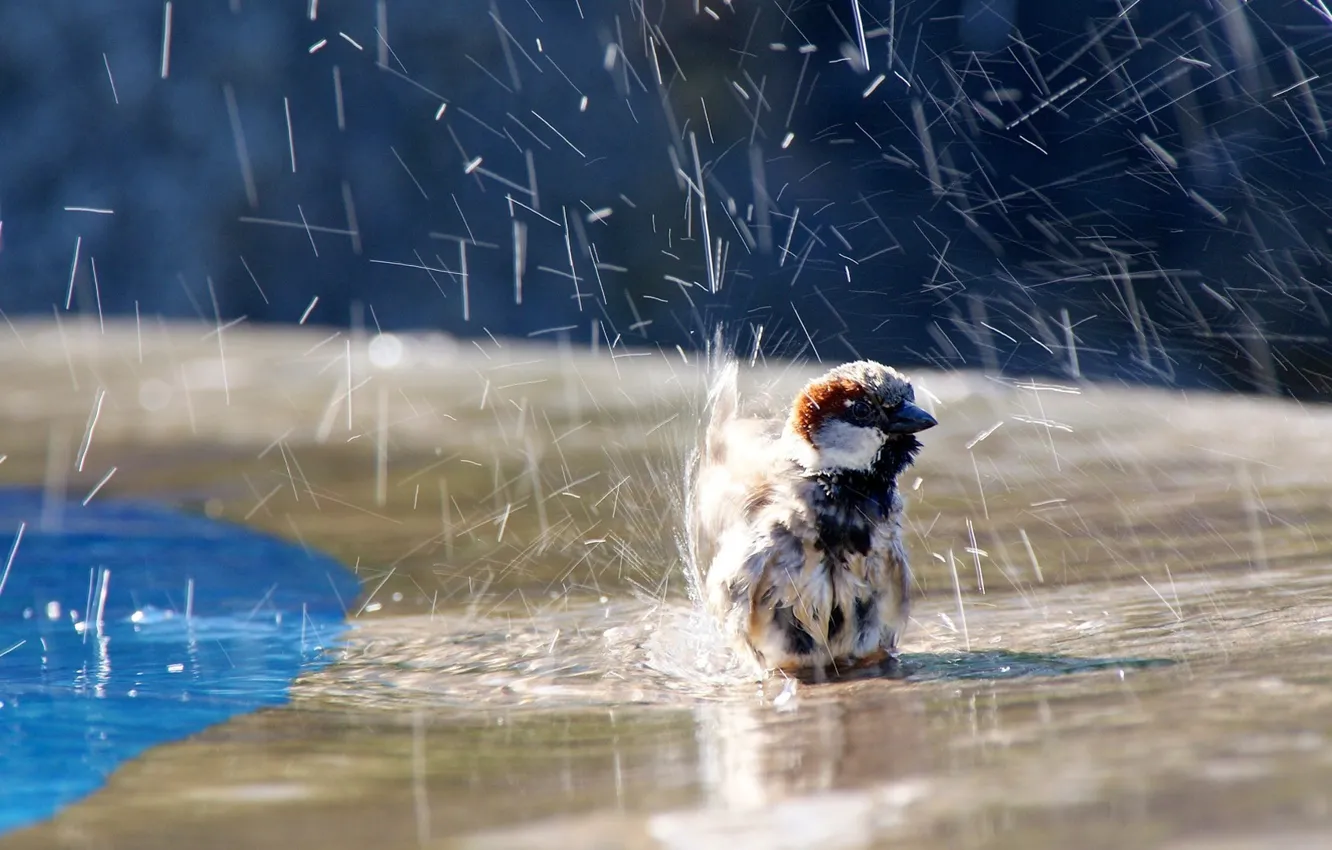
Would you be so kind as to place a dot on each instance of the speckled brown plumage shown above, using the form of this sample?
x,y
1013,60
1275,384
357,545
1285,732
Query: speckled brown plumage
x,y
801,519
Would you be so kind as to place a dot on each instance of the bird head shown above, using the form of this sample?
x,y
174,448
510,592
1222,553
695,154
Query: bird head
x,y
859,417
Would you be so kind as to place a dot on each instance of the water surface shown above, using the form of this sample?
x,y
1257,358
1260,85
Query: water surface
x,y
1121,639
124,625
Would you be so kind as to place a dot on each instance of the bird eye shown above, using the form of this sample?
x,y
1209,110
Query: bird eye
x,y
861,411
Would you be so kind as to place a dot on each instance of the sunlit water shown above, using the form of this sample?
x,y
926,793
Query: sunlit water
x,y
1122,628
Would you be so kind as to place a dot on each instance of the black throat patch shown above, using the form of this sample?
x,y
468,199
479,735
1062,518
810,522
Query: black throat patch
x,y
855,501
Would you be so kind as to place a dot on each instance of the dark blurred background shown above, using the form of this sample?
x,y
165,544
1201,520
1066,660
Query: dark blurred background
x,y
1130,190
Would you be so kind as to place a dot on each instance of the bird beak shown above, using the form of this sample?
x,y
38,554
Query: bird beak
x,y
908,419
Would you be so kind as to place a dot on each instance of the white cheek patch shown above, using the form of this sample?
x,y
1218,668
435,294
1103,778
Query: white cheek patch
x,y
841,445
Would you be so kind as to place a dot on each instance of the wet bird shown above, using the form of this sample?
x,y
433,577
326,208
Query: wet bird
x,y
800,521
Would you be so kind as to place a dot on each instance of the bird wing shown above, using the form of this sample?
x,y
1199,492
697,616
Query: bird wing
x,y
734,467
749,563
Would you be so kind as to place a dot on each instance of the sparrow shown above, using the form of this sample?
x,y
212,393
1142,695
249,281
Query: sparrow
x,y
800,520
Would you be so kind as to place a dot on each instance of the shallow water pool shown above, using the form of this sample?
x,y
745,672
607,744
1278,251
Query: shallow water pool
x,y
1121,639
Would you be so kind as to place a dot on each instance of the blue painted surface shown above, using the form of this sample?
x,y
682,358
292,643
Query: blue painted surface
x,y
77,698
